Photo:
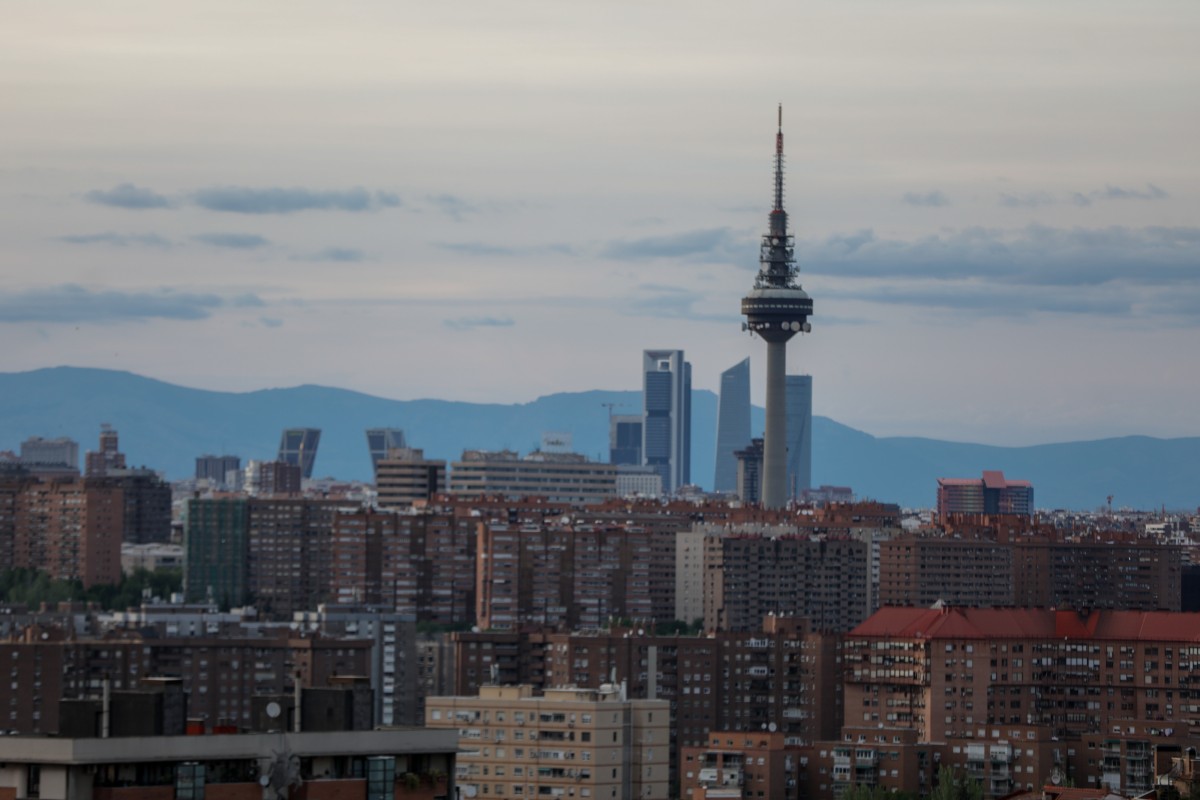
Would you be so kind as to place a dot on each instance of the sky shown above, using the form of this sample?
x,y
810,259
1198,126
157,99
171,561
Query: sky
x,y
996,204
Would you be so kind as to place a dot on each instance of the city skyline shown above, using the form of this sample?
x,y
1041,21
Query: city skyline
x,y
237,199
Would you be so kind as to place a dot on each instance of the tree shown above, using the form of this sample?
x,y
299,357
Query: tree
x,y
953,785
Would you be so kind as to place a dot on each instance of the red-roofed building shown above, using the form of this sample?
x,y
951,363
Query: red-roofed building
x,y
991,494
1111,686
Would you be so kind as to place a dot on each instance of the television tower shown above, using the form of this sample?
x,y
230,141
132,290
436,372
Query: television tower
x,y
776,309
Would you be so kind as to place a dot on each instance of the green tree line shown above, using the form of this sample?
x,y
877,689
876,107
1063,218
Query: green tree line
x,y
32,588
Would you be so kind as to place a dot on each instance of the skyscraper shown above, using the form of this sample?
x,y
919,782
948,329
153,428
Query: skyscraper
x,y
776,309
733,424
799,434
625,439
298,447
667,416
380,441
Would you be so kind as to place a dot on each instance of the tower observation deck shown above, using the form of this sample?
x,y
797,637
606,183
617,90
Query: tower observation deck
x,y
776,309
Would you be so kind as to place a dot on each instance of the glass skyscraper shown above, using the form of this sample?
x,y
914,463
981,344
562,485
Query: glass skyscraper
x,y
667,416
298,447
799,434
733,424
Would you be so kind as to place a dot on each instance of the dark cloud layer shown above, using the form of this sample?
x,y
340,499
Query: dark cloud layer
x,y
117,239
713,244
126,195
235,241
1035,255
469,323
1114,271
281,200
70,303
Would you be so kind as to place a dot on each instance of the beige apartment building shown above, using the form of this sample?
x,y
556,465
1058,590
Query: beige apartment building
x,y
567,742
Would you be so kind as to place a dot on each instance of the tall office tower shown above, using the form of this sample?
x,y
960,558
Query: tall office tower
x,y
799,434
36,450
298,447
380,441
776,309
625,439
667,416
733,424
109,457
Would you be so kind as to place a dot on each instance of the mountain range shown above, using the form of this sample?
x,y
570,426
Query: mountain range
x,y
164,427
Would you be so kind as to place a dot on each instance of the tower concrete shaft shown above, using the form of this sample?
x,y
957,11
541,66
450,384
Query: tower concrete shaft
x,y
774,482
776,309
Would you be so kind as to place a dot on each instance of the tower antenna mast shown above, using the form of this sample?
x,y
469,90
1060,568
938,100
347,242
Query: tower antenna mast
x,y
776,309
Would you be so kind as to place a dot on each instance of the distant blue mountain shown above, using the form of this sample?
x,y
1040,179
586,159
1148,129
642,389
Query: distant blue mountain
x,y
165,427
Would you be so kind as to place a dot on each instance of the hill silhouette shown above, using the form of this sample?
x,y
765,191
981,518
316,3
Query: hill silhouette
x,y
164,426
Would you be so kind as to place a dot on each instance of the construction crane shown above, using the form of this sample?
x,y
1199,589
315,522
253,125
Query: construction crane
x,y
1110,497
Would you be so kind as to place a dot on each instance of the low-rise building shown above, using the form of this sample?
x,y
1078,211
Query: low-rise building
x,y
586,742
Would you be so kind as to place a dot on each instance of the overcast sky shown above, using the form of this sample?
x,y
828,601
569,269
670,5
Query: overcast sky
x,y
997,205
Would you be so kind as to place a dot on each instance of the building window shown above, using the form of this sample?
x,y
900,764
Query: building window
x,y
189,781
381,777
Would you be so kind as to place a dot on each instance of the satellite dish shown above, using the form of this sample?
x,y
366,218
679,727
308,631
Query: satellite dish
x,y
264,780
772,727
1056,776
273,710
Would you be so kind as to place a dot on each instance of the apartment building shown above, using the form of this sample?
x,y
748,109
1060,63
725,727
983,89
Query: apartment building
x,y
316,766
69,528
566,742
1109,686
221,674
747,576
420,563
733,764
782,675
568,575
987,567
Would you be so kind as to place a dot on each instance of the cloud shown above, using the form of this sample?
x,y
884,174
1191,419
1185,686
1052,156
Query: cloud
x,y
342,254
1035,255
713,244
477,248
451,205
117,239
1029,200
126,195
677,302
236,241
484,249
280,200
989,300
932,199
270,322
1082,199
70,303
1113,271
469,323
1117,193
